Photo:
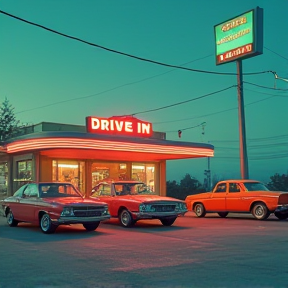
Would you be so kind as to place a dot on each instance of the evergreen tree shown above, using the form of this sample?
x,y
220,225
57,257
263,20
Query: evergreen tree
x,y
188,185
8,123
278,182
172,189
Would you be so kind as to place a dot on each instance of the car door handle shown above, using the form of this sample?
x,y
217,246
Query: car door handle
x,y
244,198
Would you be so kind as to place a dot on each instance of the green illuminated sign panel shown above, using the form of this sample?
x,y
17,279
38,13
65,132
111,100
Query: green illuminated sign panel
x,y
240,37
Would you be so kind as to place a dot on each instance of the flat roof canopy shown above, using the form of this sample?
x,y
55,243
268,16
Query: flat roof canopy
x,y
93,146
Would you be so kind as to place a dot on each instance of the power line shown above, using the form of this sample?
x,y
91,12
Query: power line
x,y
273,95
257,146
265,157
276,53
265,86
183,102
109,90
191,118
222,111
123,53
253,139
203,123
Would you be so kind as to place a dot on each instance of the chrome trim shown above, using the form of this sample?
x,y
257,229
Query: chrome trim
x,y
149,215
79,220
282,208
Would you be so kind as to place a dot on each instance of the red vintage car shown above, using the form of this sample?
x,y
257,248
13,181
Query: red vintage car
x,y
130,201
240,196
52,204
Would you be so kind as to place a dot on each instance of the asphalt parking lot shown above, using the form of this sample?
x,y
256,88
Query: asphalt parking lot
x,y
195,252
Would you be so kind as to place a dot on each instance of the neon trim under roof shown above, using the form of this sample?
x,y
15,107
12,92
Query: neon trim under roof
x,y
55,142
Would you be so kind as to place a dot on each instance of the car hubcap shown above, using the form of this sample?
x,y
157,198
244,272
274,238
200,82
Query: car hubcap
x,y
10,218
198,210
125,218
45,223
259,211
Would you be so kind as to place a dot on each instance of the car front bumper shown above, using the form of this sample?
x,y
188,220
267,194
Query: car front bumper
x,y
78,220
156,215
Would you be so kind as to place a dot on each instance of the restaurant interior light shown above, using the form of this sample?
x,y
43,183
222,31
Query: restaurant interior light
x,y
138,167
67,166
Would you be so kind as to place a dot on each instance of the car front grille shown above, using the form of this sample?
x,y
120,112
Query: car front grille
x,y
164,208
88,211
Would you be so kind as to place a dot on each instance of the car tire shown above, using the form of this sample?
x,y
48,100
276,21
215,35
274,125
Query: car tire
x,y
46,224
168,221
222,214
199,210
260,211
281,216
11,220
91,226
126,219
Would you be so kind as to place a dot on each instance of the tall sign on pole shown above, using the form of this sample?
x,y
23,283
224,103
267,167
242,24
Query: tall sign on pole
x,y
236,39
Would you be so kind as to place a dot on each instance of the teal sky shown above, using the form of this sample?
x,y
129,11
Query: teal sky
x,y
39,69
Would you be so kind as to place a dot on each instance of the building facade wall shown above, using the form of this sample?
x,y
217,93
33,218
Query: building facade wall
x,y
29,167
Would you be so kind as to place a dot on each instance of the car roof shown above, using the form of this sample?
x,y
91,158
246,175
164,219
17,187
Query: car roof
x,y
238,180
51,183
122,181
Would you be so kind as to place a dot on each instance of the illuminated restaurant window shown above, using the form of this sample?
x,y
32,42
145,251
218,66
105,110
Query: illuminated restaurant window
x,y
23,173
3,178
69,171
24,170
145,173
102,171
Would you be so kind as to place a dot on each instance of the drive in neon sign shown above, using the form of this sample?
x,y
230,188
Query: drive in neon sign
x,y
240,37
130,126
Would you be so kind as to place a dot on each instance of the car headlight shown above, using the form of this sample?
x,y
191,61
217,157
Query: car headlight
x,y
67,211
142,207
180,206
106,211
183,206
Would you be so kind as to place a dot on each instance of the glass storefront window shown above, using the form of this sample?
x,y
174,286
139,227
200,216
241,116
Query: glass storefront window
x,y
69,171
108,171
23,173
3,178
24,170
145,173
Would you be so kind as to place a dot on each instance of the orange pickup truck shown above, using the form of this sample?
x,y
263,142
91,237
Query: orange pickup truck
x,y
240,196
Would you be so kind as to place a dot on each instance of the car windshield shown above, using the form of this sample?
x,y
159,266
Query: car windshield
x,y
255,186
138,188
58,190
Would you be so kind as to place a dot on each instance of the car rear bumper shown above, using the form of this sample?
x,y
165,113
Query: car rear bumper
x,y
79,220
282,209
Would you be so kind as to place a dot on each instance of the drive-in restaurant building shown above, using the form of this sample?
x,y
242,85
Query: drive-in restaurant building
x,y
106,148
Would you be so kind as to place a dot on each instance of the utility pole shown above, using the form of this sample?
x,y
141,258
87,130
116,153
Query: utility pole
x,y
207,173
242,129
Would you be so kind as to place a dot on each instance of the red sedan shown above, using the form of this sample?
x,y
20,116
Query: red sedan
x,y
130,201
52,204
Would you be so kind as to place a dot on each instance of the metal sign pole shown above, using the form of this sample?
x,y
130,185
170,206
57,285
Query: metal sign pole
x,y
242,129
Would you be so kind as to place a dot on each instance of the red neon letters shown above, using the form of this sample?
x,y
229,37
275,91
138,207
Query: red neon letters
x,y
119,125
